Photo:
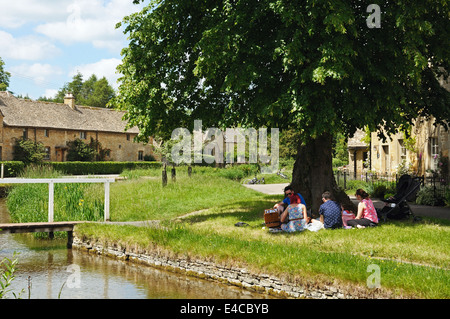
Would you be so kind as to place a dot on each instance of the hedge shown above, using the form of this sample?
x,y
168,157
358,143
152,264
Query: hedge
x,y
88,168
13,168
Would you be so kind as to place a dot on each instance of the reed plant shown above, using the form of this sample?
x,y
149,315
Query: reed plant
x,y
72,201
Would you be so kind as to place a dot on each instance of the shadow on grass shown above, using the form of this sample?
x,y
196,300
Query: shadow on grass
x,y
244,211
252,211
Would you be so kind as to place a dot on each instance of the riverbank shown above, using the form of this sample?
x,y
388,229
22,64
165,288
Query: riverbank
x,y
228,274
322,268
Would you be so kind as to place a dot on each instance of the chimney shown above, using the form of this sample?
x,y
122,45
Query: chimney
x,y
69,100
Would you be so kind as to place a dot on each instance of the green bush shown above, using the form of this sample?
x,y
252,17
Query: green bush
x,y
238,172
381,190
28,151
427,196
356,184
447,197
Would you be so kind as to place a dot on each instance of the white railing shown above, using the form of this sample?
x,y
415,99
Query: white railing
x,y
51,188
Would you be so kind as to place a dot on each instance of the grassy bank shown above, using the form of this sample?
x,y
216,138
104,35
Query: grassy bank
x,y
312,258
413,257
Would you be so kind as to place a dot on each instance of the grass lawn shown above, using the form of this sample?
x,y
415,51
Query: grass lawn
x,y
413,258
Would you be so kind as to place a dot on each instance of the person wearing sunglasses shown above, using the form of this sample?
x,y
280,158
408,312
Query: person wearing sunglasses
x,y
288,193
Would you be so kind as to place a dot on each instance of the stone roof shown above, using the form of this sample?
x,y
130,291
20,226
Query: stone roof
x,y
27,113
356,140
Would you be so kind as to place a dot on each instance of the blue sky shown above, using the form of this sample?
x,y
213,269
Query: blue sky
x,y
44,43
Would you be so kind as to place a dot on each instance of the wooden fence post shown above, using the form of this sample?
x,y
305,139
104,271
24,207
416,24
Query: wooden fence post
x,y
164,176
174,174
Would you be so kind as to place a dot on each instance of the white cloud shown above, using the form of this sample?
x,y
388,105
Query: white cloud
x,y
103,68
50,93
26,48
39,73
90,21
15,14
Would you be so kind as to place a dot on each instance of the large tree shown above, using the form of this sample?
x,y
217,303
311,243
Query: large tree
x,y
317,66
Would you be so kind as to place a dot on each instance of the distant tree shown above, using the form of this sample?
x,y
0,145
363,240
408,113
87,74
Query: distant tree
x,y
100,92
25,97
92,92
4,77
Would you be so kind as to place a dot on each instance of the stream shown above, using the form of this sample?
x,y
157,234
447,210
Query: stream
x,y
48,270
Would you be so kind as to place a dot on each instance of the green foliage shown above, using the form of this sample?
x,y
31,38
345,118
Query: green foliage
x,y
340,150
4,76
28,151
309,66
289,143
8,267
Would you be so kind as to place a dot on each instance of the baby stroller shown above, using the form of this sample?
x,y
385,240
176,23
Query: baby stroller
x,y
396,207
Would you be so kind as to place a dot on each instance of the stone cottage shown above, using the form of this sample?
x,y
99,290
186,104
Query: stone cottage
x,y
56,124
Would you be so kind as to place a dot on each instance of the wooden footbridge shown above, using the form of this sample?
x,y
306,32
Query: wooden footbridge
x,y
51,226
47,227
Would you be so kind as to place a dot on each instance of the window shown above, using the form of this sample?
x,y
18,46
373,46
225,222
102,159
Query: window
x,y
83,135
402,150
25,133
141,156
128,137
46,133
434,151
47,153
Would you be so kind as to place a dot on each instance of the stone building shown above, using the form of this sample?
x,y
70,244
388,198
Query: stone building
x,y
56,124
358,152
427,149
424,151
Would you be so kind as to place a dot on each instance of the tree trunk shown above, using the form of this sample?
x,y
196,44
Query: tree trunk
x,y
313,173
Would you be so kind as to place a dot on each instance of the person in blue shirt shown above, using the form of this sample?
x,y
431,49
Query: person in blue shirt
x,y
330,212
288,192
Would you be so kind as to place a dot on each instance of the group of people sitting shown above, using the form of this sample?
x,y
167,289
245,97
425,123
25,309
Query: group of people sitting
x,y
294,216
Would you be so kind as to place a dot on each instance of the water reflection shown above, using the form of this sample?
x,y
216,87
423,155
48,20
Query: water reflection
x,y
48,265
